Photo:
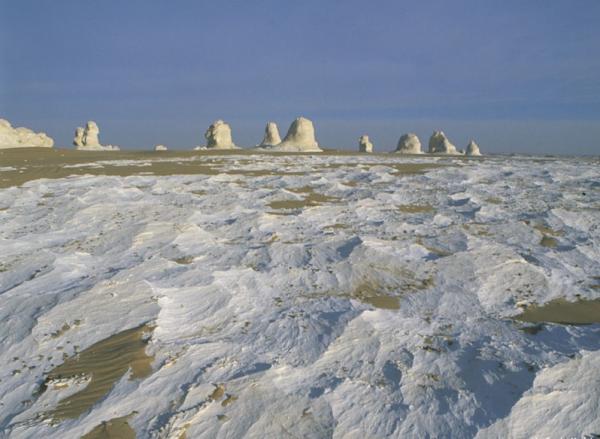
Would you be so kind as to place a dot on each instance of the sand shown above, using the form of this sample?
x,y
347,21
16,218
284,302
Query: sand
x,y
35,163
582,312
104,363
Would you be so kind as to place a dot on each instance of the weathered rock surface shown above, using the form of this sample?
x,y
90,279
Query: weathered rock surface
x,y
300,137
87,139
364,144
218,136
409,144
439,144
22,137
78,140
272,137
473,149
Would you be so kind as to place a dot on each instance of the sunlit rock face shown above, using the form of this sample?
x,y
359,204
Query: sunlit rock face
x,y
218,136
91,133
300,137
409,144
272,137
439,144
78,140
87,139
22,137
473,149
160,148
364,144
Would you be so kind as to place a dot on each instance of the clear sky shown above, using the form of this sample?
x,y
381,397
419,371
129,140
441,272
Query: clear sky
x,y
516,75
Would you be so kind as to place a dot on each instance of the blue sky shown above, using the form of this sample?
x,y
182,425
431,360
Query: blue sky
x,y
514,75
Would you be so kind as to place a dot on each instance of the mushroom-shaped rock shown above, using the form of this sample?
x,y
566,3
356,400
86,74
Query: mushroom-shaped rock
x,y
439,144
218,136
409,144
272,137
22,137
300,137
86,139
160,148
364,144
472,148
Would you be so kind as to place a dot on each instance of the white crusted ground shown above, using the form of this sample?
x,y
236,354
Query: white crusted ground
x,y
264,303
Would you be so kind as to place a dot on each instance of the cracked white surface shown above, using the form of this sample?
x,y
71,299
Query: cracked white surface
x,y
265,305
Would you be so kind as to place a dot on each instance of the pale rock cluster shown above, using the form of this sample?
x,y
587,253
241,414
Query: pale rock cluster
x,y
299,138
22,137
439,144
409,144
364,144
218,136
87,139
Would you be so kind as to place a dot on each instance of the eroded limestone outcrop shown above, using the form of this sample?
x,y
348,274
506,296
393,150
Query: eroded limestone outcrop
x,y
473,149
218,136
87,139
300,137
439,144
409,144
22,137
272,137
364,144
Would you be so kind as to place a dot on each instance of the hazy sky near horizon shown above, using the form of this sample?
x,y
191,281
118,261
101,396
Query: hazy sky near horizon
x,y
515,75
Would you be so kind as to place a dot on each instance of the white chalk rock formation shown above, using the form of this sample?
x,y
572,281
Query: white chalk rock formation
x,y
409,144
78,140
91,133
272,137
364,144
300,137
439,144
218,136
473,148
22,137
160,148
86,139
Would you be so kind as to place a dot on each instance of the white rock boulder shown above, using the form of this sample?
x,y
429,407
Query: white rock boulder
x,y
160,148
409,144
364,144
87,139
473,149
22,137
300,137
439,144
218,136
272,137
